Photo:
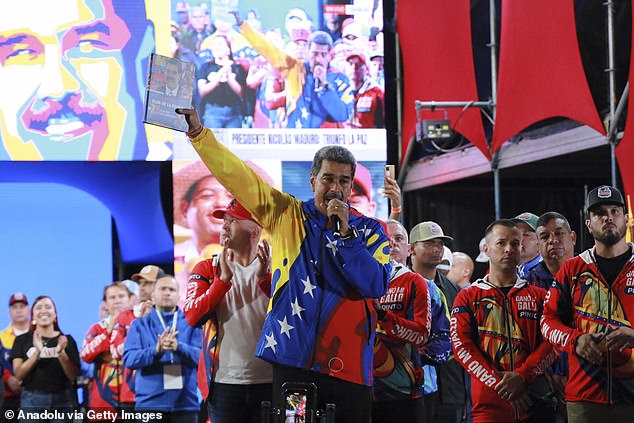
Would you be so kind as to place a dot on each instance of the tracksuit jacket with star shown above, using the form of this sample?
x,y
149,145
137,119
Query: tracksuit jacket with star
x,y
320,316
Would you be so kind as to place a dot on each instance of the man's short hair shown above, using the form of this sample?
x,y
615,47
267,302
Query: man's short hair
x,y
333,153
545,218
499,222
396,222
116,284
320,38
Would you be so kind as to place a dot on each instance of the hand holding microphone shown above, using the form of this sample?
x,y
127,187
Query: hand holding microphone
x,y
337,211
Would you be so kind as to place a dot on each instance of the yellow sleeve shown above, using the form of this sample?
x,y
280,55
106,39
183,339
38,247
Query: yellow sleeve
x,y
292,70
263,201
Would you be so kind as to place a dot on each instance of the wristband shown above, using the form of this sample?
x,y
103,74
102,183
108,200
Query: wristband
x,y
195,132
396,209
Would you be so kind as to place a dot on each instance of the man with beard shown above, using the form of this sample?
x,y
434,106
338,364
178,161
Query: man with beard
x,y
69,80
320,325
588,315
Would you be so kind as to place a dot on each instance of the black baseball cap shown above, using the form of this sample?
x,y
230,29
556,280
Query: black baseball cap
x,y
604,194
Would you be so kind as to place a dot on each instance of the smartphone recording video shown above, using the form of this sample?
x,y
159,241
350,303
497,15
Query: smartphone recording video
x,y
299,400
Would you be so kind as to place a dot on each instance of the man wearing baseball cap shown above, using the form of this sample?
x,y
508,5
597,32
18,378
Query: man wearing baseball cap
x,y
145,279
445,389
368,109
598,340
529,252
19,313
229,294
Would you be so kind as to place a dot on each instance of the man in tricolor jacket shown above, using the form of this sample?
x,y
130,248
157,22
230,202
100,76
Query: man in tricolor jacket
x,y
329,262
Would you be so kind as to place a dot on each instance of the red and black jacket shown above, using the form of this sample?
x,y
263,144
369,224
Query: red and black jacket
x,y
493,332
581,302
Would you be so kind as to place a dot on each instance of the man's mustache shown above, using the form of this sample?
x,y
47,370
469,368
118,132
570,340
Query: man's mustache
x,y
333,196
71,105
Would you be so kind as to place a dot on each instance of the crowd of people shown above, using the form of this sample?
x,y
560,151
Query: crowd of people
x,y
386,324
305,75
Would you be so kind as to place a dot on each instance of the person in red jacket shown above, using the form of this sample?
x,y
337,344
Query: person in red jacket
x,y
588,314
228,295
146,279
495,333
368,95
108,382
404,314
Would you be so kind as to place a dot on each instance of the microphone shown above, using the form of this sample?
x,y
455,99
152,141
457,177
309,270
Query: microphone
x,y
335,221
336,225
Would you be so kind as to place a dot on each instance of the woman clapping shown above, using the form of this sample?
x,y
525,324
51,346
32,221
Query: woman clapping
x,y
46,361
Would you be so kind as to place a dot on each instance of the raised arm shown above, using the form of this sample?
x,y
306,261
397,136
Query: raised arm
x,y
264,202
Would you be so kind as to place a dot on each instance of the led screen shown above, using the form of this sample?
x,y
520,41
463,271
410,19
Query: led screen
x,y
295,77
72,75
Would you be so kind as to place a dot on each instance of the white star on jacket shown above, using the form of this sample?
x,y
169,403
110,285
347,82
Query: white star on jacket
x,y
297,309
270,342
332,244
285,328
308,287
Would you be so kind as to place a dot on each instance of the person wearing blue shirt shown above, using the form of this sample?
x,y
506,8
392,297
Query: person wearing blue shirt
x,y
164,349
529,253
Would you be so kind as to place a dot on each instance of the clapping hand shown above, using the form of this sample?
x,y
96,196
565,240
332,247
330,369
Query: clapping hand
x,y
167,341
37,341
62,341
225,263
264,259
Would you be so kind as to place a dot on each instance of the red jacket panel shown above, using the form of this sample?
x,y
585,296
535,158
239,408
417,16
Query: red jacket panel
x,y
492,332
581,301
